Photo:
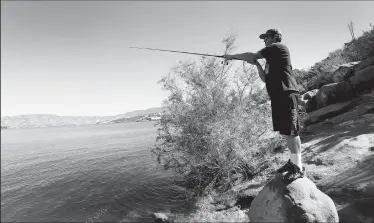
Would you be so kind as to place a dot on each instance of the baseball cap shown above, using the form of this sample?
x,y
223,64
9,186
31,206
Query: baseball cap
x,y
271,32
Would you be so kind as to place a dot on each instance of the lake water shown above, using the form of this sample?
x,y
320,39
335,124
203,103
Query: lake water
x,y
90,173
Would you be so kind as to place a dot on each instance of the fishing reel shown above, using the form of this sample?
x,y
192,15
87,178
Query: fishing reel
x,y
225,62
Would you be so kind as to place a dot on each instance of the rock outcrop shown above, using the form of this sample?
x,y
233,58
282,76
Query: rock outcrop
x,y
307,100
338,154
359,106
233,214
343,70
160,218
298,201
365,63
350,79
327,112
353,191
364,76
332,93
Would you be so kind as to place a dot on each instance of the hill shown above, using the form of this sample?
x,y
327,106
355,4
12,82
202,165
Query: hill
x,y
48,120
135,115
138,113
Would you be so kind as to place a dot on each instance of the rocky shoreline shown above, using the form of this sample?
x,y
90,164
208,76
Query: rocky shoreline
x,y
338,146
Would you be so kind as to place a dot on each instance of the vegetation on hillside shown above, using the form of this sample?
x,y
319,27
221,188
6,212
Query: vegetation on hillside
x,y
320,73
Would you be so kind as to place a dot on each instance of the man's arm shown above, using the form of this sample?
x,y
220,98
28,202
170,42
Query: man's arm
x,y
249,57
261,71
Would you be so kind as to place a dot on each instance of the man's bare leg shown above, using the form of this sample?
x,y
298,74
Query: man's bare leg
x,y
294,144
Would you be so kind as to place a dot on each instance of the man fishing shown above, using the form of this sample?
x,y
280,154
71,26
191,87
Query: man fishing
x,y
283,92
282,89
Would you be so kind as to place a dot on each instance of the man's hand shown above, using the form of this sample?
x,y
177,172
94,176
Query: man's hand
x,y
252,61
256,62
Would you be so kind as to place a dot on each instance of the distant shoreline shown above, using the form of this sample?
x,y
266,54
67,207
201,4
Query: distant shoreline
x,y
72,126
48,120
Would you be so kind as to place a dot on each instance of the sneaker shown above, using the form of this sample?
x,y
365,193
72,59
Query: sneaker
x,y
286,167
295,173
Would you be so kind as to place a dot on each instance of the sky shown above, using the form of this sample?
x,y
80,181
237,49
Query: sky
x,y
72,58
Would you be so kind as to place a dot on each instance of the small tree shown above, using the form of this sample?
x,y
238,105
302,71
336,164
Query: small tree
x,y
208,130
351,29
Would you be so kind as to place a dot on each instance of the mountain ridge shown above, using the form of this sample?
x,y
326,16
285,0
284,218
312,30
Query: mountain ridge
x,y
49,120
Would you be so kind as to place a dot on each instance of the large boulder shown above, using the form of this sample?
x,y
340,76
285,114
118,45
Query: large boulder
x,y
365,63
333,93
363,78
306,100
308,95
328,112
343,111
298,201
343,70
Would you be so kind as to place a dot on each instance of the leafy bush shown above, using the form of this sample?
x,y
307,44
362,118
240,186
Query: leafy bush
x,y
302,78
210,123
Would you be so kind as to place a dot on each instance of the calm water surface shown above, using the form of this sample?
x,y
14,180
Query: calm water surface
x,y
89,173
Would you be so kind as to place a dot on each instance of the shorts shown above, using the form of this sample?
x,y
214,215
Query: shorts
x,y
285,114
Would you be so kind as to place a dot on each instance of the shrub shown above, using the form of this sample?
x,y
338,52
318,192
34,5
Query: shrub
x,y
302,78
210,123
361,48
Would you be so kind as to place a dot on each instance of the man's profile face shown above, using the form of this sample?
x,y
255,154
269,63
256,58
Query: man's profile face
x,y
269,40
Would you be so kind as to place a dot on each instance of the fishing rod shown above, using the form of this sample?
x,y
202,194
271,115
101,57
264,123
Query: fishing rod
x,y
175,51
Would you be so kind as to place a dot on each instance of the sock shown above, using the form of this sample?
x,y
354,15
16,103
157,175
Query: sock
x,y
293,158
298,161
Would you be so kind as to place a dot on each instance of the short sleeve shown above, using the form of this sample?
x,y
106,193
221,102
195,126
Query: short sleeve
x,y
266,51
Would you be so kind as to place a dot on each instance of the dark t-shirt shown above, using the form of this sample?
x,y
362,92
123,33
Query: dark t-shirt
x,y
279,79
